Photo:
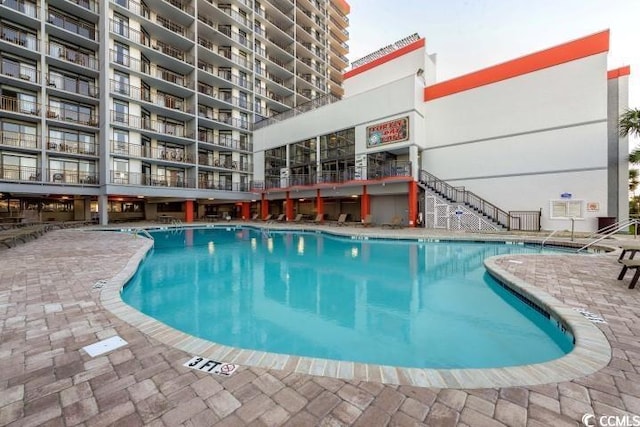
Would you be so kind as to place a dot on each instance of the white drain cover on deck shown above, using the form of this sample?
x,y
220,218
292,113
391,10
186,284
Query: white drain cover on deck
x,y
104,346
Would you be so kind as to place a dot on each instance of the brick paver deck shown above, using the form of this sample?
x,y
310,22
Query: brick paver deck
x,y
51,307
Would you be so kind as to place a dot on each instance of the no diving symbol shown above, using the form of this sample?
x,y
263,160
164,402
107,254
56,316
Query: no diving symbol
x,y
211,366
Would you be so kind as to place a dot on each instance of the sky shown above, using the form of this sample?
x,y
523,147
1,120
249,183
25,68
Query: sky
x,y
468,35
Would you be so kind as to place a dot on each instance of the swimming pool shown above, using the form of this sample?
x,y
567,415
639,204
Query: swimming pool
x,y
389,302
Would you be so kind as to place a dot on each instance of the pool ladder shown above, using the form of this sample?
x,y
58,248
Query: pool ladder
x,y
137,231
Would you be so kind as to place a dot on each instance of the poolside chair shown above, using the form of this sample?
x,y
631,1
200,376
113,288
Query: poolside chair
x,y
319,219
627,264
298,218
254,217
396,222
342,220
268,217
280,218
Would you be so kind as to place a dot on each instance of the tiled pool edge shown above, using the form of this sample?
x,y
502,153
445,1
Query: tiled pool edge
x,y
591,353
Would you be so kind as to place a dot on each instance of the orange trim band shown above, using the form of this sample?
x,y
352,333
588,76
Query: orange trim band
x,y
577,49
619,72
418,44
343,6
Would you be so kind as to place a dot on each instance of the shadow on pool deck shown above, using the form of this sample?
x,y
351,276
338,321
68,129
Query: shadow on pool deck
x,y
50,309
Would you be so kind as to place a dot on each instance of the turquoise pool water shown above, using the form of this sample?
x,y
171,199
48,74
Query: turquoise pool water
x,y
400,303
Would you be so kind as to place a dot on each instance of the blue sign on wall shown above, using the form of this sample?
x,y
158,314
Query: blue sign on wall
x,y
566,195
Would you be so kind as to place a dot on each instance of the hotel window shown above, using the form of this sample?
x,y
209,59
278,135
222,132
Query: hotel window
x,y
121,54
71,141
16,167
19,135
121,111
18,68
121,25
121,83
120,171
70,82
120,141
243,100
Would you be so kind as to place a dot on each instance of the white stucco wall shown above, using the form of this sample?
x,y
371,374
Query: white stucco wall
x,y
522,142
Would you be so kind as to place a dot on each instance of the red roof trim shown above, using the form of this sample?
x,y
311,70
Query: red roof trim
x,y
418,44
619,72
576,49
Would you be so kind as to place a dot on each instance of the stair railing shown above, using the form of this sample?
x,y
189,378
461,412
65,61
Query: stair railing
x,y
460,195
609,231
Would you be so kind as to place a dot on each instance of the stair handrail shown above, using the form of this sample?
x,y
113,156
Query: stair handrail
x,y
487,208
616,227
610,227
548,237
144,232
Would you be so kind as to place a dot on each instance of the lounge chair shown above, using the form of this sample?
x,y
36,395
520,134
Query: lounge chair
x,y
319,219
396,222
632,247
367,221
627,264
298,218
254,217
268,217
342,219
281,217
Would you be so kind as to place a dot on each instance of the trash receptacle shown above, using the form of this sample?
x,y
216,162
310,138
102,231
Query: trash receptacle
x,y
606,221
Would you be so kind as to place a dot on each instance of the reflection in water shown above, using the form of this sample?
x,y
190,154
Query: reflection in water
x,y
385,302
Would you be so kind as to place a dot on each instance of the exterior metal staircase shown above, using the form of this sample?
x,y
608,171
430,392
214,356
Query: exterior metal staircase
x,y
456,208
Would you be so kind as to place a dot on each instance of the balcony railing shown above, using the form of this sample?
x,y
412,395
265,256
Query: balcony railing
x,y
19,139
72,177
162,100
19,173
29,8
70,84
225,53
227,142
17,105
212,184
150,125
75,26
227,119
136,178
73,56
392,169
21,70
56,176
19,38
158,153
222,162
72,115
150,69
225,75
73,147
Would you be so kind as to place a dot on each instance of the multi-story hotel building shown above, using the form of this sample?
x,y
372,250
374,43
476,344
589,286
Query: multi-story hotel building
x,y
126,109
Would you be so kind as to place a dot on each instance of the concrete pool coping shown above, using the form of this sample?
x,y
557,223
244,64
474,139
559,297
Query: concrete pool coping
x,y
591,353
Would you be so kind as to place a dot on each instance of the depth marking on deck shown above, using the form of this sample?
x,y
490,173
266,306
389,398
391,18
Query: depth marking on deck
x,y
209,365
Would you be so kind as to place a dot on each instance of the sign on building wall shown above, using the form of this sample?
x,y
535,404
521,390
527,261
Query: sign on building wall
x,y
396,130
361,166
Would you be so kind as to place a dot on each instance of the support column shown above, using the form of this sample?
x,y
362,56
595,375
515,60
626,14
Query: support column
x,y
288,208
319,204
264,207
188,211
365,203
103,205
413,203
246,211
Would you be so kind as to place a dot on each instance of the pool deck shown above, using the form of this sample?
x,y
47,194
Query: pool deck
x,y
57,296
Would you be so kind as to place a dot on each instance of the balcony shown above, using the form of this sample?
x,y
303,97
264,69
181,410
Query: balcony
x,y
84,29
72,113
152,96
172,154
225,74
70,84
19,140
61,176
19,173
222,185
145,124
24,71
74,56
140,179
26,7
72,147
19,38
225,52
17,105
209,137
152,70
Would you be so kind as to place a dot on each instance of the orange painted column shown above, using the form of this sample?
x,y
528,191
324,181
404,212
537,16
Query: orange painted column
x,y
413,203
319,204
264,207
188,210
289,208
246,211
365,203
